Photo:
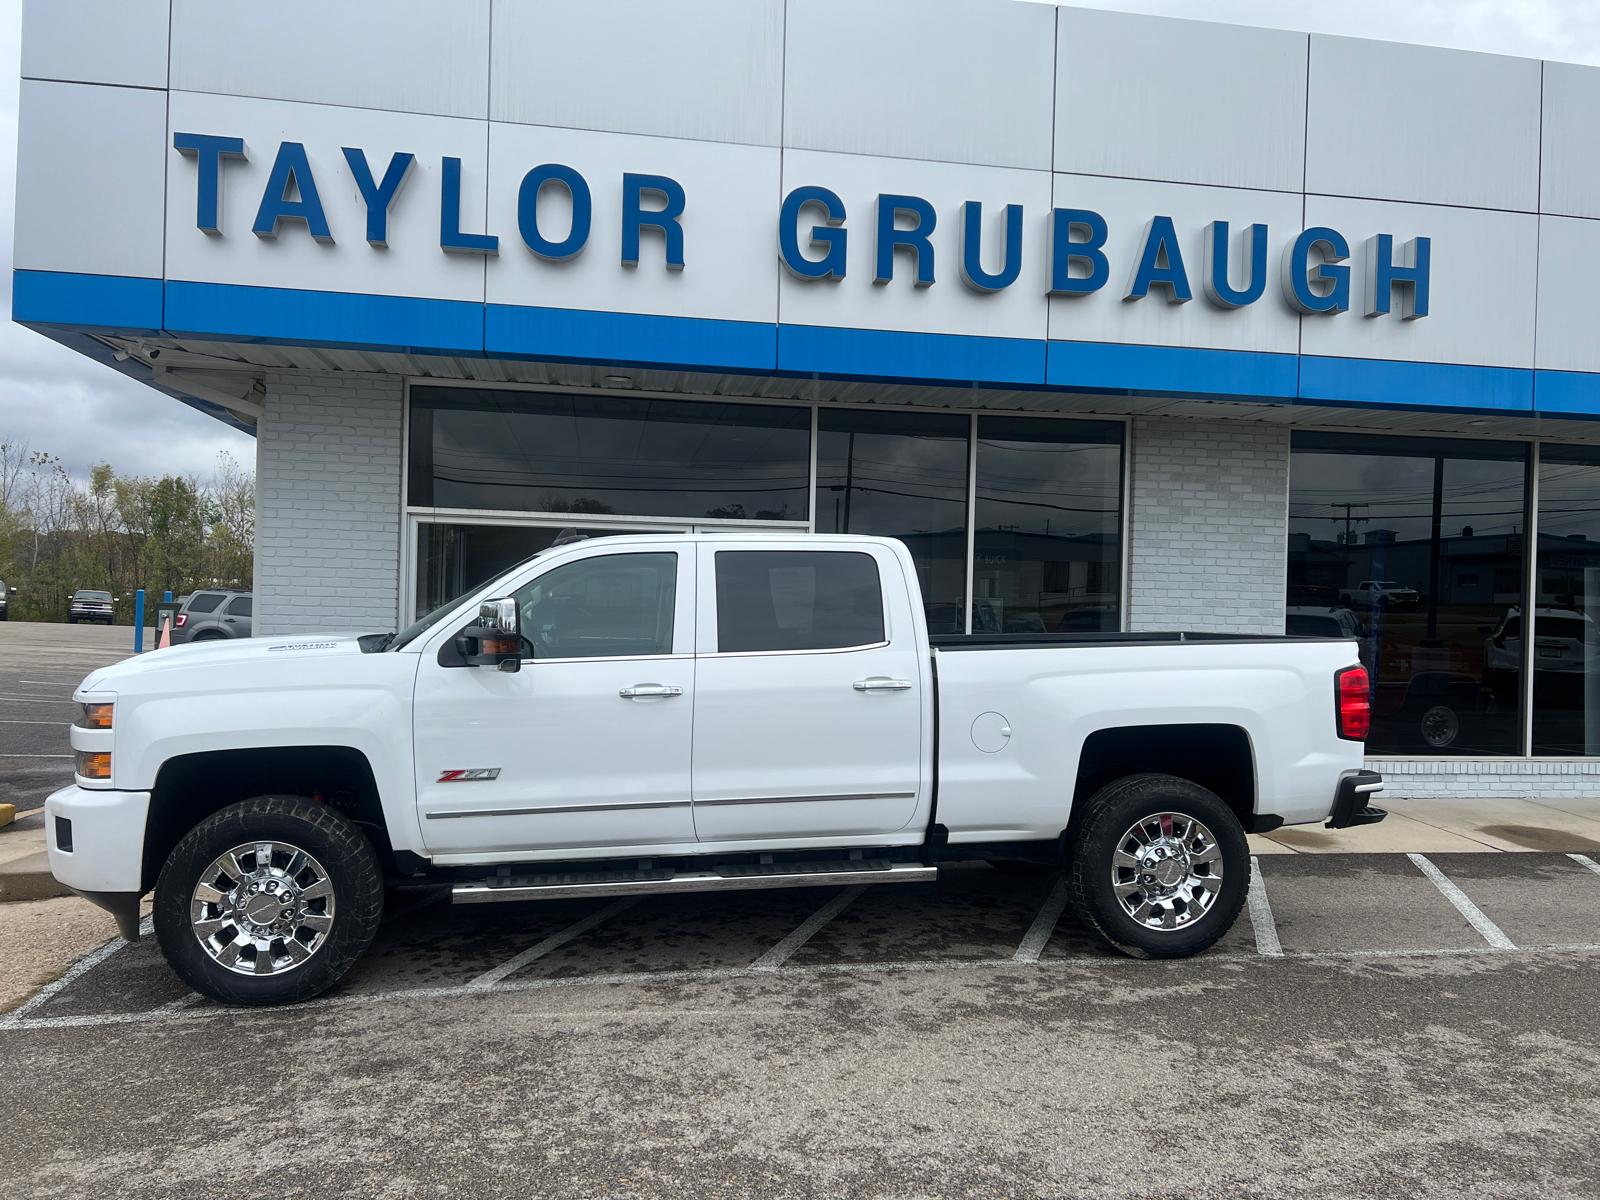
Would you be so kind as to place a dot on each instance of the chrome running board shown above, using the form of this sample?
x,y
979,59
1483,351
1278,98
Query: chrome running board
x,y
741,877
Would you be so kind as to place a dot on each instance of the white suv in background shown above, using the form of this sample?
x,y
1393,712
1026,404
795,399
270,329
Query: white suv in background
x,y
212,615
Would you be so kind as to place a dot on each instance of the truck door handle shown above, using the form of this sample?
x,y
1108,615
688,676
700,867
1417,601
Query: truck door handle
x,y
879,684
641,691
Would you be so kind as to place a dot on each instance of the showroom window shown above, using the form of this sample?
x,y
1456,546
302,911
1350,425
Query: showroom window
x,y
1014,524
1566,644
1416,545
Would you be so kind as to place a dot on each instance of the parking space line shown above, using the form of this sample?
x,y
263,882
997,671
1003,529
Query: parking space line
x,y
554,942
1038,935
1266,929
1491,932
784,950
84,965
1586,861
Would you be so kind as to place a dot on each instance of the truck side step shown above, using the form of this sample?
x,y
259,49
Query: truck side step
x,y
740,877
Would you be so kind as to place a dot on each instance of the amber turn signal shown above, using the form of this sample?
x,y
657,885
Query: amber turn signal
x,y
94,764
97,716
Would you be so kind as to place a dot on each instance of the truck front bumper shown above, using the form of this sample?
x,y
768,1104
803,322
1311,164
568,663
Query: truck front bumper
x,y
1350,805
95,839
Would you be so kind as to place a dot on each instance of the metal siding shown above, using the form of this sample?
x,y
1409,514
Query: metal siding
x,y
1482,286
1569,167
411,266
415,56
707,69
129,46
1419,123
1188,101
89,179
965,81
1569,248
1268,325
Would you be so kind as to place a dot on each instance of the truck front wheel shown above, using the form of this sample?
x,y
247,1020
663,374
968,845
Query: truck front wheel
x,y
269,901
1160,867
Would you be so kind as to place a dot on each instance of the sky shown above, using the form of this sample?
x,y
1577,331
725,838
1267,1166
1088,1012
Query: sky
x,y
55,400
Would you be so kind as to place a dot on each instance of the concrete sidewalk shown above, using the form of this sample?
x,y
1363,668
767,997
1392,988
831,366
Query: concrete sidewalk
x,y
1452,827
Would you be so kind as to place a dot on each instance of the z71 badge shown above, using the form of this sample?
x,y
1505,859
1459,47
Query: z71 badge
x,y
471,775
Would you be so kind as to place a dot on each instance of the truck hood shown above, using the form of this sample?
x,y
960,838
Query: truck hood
x,y
180,664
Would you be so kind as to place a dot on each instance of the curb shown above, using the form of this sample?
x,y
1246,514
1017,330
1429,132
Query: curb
x,y
29,878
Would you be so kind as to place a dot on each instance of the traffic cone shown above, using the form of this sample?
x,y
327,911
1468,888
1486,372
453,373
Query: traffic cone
x,y
166,632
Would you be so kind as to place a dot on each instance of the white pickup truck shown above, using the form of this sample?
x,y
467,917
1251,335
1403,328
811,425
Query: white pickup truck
x,y
678,713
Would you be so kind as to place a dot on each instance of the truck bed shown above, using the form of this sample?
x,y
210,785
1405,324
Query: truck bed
x,y
945,642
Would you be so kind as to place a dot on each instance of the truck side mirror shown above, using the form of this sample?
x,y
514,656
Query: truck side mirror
x,y
496,642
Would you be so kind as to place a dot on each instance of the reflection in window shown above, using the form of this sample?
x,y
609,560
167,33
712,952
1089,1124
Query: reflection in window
x,y
614,605
1419,541
901,475
546,452
453,560
1566,638
1046,555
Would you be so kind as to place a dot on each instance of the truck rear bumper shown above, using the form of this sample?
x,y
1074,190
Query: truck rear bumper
x,y
1350,802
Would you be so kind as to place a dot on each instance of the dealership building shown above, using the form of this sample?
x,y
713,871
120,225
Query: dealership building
x,y
1119,322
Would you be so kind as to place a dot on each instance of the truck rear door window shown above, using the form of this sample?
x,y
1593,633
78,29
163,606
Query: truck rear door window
x,y
797,600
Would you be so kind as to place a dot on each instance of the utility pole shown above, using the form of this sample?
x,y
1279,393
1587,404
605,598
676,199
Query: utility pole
x,y
1349,519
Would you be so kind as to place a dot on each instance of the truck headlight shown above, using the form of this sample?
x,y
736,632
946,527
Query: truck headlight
x,y
97,716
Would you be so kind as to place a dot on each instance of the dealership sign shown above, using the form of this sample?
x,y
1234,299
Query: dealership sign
x,y
814,230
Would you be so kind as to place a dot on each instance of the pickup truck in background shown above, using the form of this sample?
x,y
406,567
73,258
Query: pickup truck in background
x,y
671,713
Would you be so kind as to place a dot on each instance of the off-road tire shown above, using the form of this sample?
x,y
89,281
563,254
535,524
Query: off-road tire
x,y
1111,812
324,833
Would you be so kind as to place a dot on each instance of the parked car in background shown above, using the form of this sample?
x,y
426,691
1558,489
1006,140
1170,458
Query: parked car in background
x,y
90,606
1317,621
1370,591
3,605
212,615
1562,638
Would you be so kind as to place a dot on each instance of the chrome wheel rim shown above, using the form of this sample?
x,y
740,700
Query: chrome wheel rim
x,y
1166,871
262,908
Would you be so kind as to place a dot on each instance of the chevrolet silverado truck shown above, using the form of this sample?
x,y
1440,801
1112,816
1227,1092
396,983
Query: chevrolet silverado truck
x,y
675,713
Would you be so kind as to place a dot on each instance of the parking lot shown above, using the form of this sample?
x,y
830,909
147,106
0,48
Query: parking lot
x,y
1376,1024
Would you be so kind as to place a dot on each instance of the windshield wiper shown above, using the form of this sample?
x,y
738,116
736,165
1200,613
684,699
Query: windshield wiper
x,y
374,643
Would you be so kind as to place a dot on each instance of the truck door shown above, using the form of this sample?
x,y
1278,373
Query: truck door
x,y
808,695
588,744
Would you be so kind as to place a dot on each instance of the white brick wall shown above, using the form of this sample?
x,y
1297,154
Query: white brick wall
x,y
1207,526
328,475
1467,778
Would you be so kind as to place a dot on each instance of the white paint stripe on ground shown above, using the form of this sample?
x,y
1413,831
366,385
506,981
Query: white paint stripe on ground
x,y
781,953
554,942
85,964
1267,943
57,724
1585,860
178,1005
1491,932
1038,935
35,756
166,1016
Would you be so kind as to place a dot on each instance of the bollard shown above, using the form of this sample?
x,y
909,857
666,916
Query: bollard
x,y
166,597
138,621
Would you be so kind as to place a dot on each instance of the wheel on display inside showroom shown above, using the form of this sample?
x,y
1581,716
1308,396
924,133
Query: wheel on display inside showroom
x,y
1440,726
1159,866
268,901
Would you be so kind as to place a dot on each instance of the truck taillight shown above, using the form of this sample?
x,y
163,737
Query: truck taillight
x,y
1354,699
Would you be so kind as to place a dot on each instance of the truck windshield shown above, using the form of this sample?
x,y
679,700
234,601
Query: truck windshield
x,y
94,595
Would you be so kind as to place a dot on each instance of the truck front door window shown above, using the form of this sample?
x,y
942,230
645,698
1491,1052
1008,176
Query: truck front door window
x,y
619,604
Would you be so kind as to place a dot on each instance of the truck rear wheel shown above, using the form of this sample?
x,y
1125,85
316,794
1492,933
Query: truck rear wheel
x,y
269,901
1160,867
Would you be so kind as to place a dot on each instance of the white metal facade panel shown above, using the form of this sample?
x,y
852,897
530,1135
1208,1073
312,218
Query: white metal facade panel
x,y
1268,324
729,243
412,265
1569,160
89,171
1419,123
1569,340
1473,320
948,305
405,55
965,81
1189,101
96,41
713,70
